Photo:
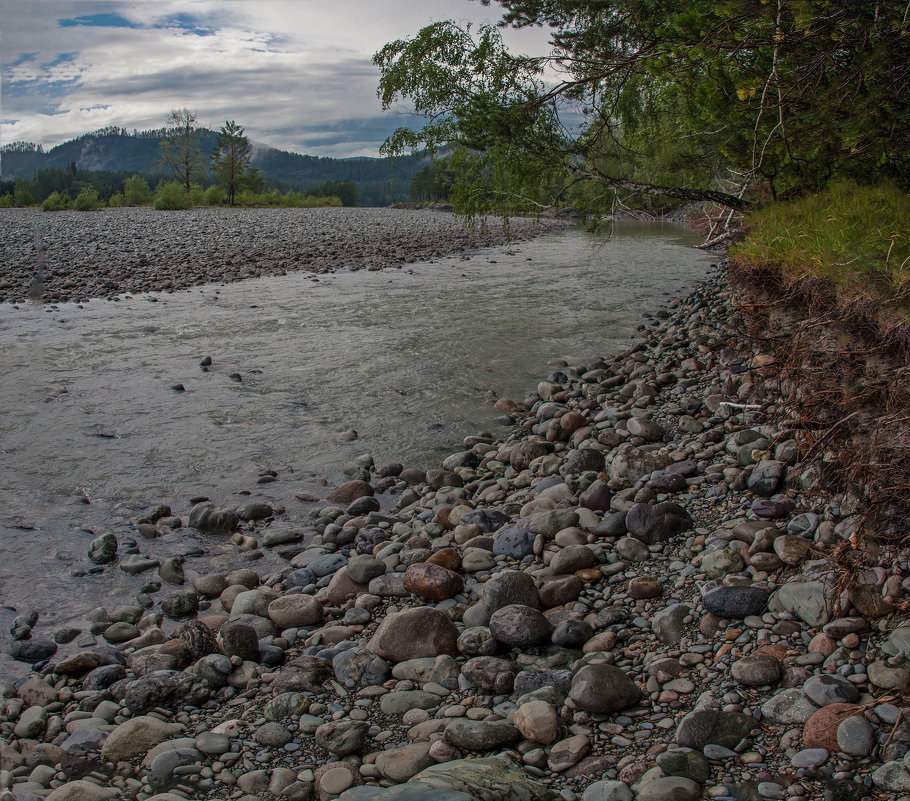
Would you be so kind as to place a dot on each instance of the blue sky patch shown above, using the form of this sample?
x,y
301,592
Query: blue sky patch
x,y
186,22
109,20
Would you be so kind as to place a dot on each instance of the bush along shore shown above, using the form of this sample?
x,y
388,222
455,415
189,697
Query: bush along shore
x,y
634,595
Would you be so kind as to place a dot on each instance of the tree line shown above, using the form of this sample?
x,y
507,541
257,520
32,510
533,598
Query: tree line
x,y
188,177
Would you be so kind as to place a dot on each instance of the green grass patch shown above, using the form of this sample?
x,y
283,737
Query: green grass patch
x,y
856,237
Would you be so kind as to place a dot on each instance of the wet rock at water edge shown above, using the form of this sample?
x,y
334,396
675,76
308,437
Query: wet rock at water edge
x,y
103,550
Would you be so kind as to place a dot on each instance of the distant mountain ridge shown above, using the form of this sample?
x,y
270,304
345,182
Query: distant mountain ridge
x,y
379,182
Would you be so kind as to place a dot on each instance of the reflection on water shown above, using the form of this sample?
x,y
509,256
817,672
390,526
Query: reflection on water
x,y
408,358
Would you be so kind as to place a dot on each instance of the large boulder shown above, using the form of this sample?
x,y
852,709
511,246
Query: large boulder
x,y
603,688
413,633
657,522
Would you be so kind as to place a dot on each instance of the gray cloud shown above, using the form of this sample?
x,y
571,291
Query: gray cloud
x,y
295,73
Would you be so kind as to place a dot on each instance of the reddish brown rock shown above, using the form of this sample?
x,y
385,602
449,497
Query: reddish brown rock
x,y
342,587
820,730
414,633
822,644
432,581
869,602
77,664
589,575
775,649
560,590
437,479
596,497
447,558
572,421
292,611
36,692
791,550
644,587
349,492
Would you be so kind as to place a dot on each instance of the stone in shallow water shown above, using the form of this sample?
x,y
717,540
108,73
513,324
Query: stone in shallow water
x,y
32,651
103,550
136,736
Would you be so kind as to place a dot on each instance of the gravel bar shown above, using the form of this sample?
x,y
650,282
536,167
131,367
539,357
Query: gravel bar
x,y
115,251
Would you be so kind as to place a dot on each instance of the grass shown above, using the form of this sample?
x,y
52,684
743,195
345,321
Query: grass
x,y
857,238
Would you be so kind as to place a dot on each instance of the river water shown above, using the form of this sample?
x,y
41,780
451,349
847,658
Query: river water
x,y
91,430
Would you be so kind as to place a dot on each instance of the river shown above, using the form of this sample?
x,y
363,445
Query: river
x,y
92,430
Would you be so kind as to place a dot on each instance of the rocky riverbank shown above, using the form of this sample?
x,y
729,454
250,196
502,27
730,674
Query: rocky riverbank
x,y
635,595
115,251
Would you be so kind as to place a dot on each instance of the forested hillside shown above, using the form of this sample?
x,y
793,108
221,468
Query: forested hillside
x,y
115,150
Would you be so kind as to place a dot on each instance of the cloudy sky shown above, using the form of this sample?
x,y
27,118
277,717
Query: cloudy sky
x,y
296,74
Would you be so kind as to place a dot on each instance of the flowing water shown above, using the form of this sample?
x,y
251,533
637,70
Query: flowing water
x,y
92,431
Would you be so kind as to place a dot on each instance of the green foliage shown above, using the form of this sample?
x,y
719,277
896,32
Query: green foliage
x,y
116,201
378,181
23,195
55,202
171,196
709,101
88,200
275,199
231,159
849,234
345,191
136,191
214,196
6,201
433,181
197,195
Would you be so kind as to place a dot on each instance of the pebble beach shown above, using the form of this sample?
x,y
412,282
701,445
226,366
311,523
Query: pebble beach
x,y
629,595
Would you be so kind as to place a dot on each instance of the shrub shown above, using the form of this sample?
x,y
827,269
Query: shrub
x,y
6,201
88,200
116,201
214,196
170,196
136,192
197,195
55,202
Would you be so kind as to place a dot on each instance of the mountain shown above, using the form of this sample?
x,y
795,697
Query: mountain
x,y
379,182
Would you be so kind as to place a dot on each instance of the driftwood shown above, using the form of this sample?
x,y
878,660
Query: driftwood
x,y
724,237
